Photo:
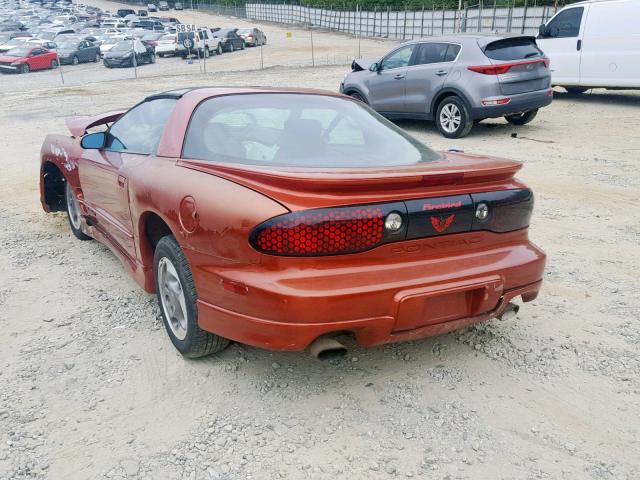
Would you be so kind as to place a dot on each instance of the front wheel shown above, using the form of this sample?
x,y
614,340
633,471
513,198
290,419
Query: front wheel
x,y
73,212
25,68
152,58
206,52
96,59
242,46
231,48
177,298
453,119
75,60
522,118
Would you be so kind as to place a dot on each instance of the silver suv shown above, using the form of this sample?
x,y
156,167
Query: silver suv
x,y
456,80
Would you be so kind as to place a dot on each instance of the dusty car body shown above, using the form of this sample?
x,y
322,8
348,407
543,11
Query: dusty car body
x,y
283,218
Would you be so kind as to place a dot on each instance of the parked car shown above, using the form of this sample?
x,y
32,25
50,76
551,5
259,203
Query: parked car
x,y
128,53
151,7
163,5
167,45
26,59
13,43
252,37
153,25
178,6
340,236
152,38
143,13
206,43
456,80
110,42
123,12
75,52
594,44
229,39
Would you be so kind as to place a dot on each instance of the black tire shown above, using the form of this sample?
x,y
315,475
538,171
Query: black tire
x,y
197,342
242,47
454,104
575,90
152,58
357,96
25,68
54,64
96,59
219,49
207,53
231,47
71,216
75,60
522,118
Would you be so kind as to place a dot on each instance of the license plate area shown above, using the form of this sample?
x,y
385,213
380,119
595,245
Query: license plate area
x,y
443,303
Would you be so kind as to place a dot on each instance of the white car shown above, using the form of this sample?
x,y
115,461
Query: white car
x,y
167,45
594,44
110,42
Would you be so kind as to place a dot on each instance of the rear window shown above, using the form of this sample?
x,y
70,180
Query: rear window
x,y
513,49
298,130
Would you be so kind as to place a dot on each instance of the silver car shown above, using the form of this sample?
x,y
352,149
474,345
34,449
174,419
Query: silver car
x,y
456,80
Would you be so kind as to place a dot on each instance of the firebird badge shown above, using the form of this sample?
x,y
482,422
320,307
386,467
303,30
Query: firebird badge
x,y
441,224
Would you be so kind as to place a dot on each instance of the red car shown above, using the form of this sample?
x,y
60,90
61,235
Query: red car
x,y
25,59
278,217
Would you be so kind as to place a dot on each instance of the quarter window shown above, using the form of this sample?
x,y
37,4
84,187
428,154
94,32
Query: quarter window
x,y
399,58
566,23
140,129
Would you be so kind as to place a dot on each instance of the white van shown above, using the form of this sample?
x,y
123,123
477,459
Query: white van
x,y
594,44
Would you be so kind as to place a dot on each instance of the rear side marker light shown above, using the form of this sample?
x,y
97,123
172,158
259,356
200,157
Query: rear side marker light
x,y
499,101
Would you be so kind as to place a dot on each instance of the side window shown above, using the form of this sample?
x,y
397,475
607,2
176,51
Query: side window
x,y
452,52
37,51
566,24
140,129
399,58
430,53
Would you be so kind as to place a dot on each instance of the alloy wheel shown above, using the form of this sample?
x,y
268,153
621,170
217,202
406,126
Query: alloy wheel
x,y
450,118
174,304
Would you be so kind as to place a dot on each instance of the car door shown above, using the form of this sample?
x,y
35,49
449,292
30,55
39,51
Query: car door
x,y
104,174
426,74
562,43
82,51
38,59
386,86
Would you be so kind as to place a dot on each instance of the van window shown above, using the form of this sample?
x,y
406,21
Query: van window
x,y
508,49
566,24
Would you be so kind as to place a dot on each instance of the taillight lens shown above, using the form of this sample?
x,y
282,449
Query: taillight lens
x,y
329,231
354,229
505,67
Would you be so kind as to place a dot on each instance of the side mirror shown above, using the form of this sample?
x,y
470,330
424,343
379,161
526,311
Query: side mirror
x,y
542,31
374,67
93,141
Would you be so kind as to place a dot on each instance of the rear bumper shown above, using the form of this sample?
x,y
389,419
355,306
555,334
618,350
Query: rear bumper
x,y
379,303
519,103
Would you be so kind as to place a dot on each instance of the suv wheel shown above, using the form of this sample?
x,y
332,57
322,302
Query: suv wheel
x,y
453,119
522,118
177,300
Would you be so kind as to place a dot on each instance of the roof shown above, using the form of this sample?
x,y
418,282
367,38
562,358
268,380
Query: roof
x,y
217,91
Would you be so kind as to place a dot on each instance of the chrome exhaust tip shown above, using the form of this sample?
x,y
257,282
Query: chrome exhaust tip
x,y
325,348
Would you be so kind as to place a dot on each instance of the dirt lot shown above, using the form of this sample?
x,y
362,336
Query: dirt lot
x,y
91,387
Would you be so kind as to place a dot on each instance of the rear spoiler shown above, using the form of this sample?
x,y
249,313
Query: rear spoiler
x,y
483,42
78,126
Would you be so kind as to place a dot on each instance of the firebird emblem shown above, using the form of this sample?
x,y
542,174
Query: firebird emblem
x,y
441,224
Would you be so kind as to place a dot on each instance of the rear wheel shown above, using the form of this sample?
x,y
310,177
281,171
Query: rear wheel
x,y
73,212
206,52
96,59
75,60
242,46
152,58
522,118
575,90
176,295
453,119
219,49
54,64
230,47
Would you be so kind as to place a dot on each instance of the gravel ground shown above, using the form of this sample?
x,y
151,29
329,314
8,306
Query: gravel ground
x,y
91,387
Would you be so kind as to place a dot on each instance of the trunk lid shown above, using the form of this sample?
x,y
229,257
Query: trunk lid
x,y
528,71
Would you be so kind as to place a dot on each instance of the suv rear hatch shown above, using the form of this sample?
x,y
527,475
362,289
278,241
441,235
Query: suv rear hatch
x,y
519,64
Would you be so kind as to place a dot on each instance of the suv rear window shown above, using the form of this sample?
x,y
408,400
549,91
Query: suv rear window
x,y
275,129
513,49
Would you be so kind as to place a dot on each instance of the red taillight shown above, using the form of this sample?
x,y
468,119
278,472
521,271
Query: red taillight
x,y
328,231
505,67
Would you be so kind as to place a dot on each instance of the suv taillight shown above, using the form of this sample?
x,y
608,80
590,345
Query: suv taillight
x,y
505,67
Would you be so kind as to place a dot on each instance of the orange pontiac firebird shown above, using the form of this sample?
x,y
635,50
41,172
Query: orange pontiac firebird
x,y
278,217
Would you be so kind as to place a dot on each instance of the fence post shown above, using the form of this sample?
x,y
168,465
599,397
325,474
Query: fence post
x,y
404,24
480,8
524,16
443,18
493,20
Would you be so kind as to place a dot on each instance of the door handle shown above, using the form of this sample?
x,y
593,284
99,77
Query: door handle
x,y
440,73
121,180
579,45
398,76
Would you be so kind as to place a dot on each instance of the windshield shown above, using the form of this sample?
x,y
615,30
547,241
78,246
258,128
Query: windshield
x,y
122,46
18,52
298,130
